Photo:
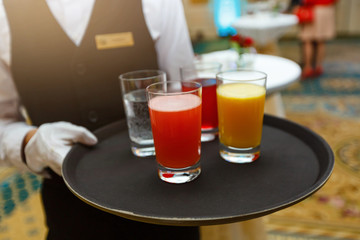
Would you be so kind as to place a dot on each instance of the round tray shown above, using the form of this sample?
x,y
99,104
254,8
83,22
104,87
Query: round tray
x,y
294,163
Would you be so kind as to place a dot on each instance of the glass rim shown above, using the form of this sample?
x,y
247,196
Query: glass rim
x,y
264,77
197,85
204,65
124,76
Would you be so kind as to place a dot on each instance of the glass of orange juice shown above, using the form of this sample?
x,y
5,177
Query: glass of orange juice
x,y
240,100
175,115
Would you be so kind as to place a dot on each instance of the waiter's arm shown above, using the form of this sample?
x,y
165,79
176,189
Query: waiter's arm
x,y
170,33
13,128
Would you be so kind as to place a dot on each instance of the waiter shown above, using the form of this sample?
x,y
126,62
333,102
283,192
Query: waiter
x,y
60,61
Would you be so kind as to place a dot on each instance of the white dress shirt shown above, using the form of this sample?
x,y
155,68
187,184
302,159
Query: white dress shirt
x,y
167,26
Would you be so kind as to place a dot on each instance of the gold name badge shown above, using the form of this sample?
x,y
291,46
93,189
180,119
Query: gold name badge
x,y
114,40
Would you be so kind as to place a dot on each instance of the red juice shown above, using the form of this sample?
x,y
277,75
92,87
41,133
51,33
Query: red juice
x,y
209,105
176,127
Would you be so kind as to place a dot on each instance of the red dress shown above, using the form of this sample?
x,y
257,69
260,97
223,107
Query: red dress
x,y
323,26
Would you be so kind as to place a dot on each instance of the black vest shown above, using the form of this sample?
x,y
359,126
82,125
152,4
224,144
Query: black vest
x,y
58,81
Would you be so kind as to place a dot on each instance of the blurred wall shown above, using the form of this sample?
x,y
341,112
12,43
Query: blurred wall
x,y
200,19
199,15
347,17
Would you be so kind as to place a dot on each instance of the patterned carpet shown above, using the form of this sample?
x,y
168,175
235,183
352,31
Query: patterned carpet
x,y
21,216
329,105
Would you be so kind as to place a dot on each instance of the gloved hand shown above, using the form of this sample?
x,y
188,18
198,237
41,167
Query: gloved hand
x,y
51,143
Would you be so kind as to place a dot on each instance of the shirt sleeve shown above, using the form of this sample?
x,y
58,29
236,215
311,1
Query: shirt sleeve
x,y
168,27
12,128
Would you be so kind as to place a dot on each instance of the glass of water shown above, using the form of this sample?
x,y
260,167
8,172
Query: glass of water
x,y
133,85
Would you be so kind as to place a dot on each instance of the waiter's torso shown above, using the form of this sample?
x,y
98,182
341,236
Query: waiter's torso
x,y
59,81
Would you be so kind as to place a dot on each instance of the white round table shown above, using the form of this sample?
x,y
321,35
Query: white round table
x,y
281,71
264,27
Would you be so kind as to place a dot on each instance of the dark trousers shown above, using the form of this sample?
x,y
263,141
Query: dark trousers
x,y
68,217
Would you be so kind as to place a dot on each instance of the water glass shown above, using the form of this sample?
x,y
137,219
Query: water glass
x,y
133,85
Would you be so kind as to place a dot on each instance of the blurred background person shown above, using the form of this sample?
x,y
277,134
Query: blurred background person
x,y
314,35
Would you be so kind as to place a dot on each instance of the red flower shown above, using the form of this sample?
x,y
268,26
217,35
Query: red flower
x,y
236,38
242,41
248,42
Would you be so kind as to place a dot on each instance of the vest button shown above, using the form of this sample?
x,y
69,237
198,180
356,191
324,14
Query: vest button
x,y
93,116
80,69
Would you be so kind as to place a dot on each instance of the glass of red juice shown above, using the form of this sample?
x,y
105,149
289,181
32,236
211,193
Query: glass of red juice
x,y
175,116
205,74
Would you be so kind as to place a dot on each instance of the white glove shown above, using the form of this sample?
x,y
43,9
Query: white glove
x,y
51,143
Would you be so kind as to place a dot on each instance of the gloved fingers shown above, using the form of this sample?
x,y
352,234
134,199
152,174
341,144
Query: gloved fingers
x,y
52,142
77,134
61,153
56,168
84,136
56,157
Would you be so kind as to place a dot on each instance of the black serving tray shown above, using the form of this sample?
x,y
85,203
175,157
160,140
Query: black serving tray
x,y
294,163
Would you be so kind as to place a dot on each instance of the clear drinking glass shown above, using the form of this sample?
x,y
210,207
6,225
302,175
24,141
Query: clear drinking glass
x,y
175,115
241,99
205,74
133,85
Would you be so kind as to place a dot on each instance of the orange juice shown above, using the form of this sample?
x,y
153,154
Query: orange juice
x,y
240,112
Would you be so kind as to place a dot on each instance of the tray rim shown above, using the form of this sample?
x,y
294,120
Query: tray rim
x,y
273,120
